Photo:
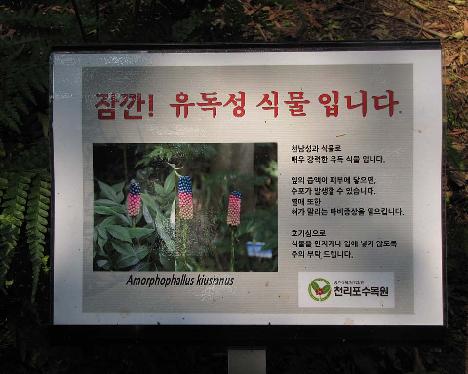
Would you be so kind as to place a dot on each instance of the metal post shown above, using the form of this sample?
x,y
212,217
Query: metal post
x,y
242,361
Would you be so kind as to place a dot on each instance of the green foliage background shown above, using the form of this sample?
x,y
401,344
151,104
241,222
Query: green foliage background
x,y
28,31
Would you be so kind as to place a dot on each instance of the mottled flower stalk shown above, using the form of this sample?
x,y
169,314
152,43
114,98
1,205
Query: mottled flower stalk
x,y
134,199
234,207
184,195
184,187
233,220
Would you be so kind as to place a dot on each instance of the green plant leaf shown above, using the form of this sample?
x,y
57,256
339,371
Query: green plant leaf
x,y
124,219
147,215
108,221
169,184
149,201
143,266
142,251
165,232
103,210
109,210
133,257
105,264
326,289
119,232
101,231
101,242
99,251
118,187
172,217
159,190
108,192
315,286
106,202
166,261
123,248
139,232
120,196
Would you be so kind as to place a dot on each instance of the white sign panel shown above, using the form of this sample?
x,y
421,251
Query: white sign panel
x,y
248,187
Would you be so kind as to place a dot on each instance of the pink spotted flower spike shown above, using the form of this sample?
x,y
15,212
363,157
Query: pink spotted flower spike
x,y
134,199
184,187
234,208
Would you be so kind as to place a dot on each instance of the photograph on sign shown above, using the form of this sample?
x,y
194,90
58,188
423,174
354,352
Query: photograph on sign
x,y
177,207
248,187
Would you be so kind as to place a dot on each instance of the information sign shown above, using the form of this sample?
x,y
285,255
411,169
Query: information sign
x,y
248,186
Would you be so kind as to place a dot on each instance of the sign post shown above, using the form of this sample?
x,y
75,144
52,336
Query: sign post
x,y
249,186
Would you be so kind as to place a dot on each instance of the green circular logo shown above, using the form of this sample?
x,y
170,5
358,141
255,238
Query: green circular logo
x,y
319,289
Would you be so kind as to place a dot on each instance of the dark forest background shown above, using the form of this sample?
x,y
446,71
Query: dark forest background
x,y
28,31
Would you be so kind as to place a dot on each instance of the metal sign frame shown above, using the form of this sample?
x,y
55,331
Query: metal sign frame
x,y
252,334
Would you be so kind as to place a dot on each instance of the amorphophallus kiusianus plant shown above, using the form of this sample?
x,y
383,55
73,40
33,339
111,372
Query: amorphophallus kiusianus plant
x,y
134,199
234,208
184,187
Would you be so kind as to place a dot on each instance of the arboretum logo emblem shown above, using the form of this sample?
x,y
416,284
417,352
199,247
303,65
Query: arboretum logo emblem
x,y
319,289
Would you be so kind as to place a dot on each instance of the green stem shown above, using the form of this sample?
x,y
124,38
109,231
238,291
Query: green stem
x,y
184,253
232,249
181,257
134,225
176,215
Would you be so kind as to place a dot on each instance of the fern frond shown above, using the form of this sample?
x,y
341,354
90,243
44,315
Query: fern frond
x,y
33,159
24,72
20,104
36,225
11,219
7,121
3,186
3,183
